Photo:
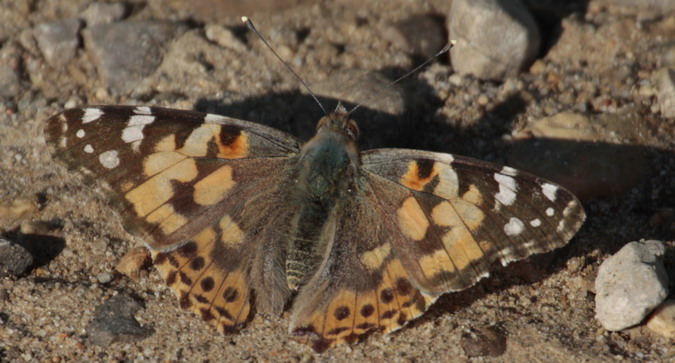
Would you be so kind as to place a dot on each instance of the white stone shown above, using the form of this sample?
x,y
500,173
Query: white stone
x,y
630,285
495,39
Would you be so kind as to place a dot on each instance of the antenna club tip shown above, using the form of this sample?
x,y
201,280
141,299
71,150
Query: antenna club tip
x,y
244,19
453,41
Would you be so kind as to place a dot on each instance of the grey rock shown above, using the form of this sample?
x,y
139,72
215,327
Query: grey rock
x,y
114,322
14,259
102,13
666,81
58,40
496,38
630,285
126,52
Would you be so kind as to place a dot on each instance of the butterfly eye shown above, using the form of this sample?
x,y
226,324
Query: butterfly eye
x,y
322,122
352,129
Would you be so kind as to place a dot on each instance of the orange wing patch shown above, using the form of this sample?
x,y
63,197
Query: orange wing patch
x,y
220,297
232,143
350,315
419,174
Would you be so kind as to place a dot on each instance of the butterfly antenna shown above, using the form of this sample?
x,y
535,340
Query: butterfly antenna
x,y
249,25
390,85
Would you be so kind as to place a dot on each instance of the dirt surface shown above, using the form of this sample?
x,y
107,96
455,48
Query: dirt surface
x,y
598,61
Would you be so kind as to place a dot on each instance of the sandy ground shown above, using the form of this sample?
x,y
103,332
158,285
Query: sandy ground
x,y
543,307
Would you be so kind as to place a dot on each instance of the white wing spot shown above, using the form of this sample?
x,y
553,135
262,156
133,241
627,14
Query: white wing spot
x,y
550,212
109,159
571,206
142,110
64,123
561,226
88,149
507,189
140,120
91,114
507,256
514,227
535,222
507,170
134,129
214,119
550,191
529,244
80,133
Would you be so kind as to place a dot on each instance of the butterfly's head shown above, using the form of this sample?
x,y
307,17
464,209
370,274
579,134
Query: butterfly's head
x,y
340,123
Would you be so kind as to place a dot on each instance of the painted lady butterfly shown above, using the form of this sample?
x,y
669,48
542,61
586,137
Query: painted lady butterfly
x,y
242,217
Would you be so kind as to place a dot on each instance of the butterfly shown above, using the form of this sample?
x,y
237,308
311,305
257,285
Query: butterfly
x,y
243,218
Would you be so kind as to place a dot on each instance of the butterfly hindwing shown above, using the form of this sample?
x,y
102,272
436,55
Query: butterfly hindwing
x,y
456,215
361,286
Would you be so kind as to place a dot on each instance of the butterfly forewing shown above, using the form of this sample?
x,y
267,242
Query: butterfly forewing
x,y
167,167
457,215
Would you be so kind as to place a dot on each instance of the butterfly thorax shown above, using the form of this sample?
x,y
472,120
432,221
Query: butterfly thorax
x,y
325,174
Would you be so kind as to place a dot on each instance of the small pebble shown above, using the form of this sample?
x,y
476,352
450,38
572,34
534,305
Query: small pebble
x,y
666,95
133,261
114,322
662,321
104,277
19,208
14,258
10,85
483,342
